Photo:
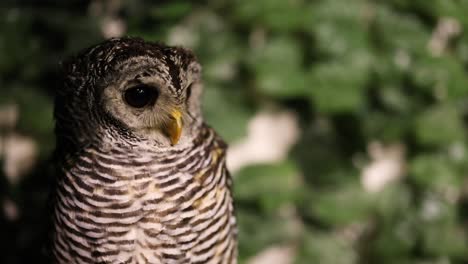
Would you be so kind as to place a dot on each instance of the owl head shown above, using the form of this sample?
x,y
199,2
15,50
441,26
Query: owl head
x,y
129,89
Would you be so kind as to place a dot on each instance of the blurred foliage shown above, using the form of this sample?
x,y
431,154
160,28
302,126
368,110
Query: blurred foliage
x,y
354,72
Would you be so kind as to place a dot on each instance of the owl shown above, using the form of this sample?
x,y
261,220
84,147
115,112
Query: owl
x,y
141,177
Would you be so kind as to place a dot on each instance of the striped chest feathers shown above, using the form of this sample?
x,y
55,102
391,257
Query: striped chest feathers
x,y
151,208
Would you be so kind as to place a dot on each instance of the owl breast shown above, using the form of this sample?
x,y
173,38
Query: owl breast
x,y
135,205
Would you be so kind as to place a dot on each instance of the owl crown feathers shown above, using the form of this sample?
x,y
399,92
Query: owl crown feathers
x,y
111,55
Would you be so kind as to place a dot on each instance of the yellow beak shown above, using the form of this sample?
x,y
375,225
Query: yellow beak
x,y
174,128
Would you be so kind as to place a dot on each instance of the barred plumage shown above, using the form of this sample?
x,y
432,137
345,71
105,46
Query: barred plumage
x,y
124,196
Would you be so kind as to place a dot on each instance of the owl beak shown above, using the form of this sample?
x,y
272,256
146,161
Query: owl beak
x,y
174,129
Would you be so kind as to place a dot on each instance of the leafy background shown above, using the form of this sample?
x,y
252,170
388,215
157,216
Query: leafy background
x,y
378,89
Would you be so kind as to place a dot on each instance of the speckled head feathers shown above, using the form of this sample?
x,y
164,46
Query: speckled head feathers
x,y
91,100
118,54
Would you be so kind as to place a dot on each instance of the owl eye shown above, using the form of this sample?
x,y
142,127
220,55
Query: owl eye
x,y
140,96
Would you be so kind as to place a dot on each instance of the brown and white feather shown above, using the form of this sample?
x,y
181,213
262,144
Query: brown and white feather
x,y
126,197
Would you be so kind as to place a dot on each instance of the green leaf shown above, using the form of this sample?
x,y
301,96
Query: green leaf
x,y
394,99
171,10
398,31
450,9
278,68
394,241
435,171
326,248
323,165
276,15
338,31
340,206
444,77
439,125
220,56
225,110
339,85
282,84
441,234
385,126
258,231
271,186
395,225
35,114
392,202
